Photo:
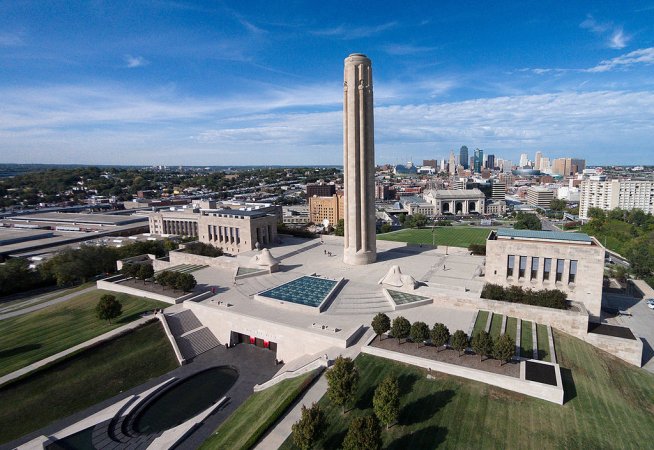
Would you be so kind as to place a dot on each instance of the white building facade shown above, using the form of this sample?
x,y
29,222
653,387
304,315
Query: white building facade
x,y
611,194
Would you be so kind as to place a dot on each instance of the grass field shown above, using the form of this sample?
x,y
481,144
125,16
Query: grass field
x,y
244,427
512,327
480,323
526,340
543,343
496,326
608,406
84,380
460,236
37,335
33,300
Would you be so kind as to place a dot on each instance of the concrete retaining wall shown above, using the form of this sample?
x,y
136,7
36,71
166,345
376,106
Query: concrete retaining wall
x,y
572,322
628,350
545,392
171,338
222,262
109,285
318,363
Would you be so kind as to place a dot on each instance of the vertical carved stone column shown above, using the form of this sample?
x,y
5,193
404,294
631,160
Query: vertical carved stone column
x,y
359,161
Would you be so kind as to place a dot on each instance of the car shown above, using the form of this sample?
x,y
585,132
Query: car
x,y
650,305
650,301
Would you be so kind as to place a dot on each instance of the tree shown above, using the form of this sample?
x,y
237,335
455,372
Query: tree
x,y
129,270
385,228
363,434
185,282
146,271
558,204
386,401
526,221
310,428
342,381
459,341
482,344
401,328
381,323
419,332
439,335
340,228
504,348
108,308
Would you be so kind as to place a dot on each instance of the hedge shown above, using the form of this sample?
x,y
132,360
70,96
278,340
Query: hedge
x,y
549,298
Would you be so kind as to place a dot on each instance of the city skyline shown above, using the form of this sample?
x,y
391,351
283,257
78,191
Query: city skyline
x,y
189,83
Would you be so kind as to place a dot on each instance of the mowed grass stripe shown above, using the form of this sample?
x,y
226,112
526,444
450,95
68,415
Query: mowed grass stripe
x,y
496,325
480,323
34,336
455,236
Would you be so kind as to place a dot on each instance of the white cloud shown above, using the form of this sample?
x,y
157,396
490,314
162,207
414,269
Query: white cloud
x,y
135,61
596,27
11,39
618,39
347,32
405,49
640,56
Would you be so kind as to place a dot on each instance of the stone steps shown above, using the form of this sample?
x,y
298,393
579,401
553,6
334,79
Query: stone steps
x,y
196,342
182,322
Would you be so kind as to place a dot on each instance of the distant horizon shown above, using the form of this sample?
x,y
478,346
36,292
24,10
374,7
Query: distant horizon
x,y
199,83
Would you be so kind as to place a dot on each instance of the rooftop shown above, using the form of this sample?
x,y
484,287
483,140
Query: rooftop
x,y
556,236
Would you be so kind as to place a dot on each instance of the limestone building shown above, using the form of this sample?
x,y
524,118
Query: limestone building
x,y
459,202
233,230
541,197
570,262
359,161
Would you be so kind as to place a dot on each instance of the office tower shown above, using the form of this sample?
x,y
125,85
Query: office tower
x,y
463,157
360,246
490,162
539,157
479,158
523,160
452,163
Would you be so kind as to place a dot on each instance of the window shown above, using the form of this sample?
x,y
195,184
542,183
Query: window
x,y
573,272
547,268
559,269
509,267
523,267
534,268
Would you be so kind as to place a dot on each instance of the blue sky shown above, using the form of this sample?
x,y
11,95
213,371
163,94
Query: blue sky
x,y
260,82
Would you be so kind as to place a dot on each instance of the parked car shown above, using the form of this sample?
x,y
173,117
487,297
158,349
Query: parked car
x,y
650,305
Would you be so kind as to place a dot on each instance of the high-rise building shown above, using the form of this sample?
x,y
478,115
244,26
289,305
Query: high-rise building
x,y
523,160
330,208
545,165
539,157
479,159
498,189
568,166
320,189
611,194
429,163
463,157
452,163
360,246
541,197
490,162
508,165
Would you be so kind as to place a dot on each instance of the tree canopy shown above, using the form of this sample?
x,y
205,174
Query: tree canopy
x,y
108,308
342,381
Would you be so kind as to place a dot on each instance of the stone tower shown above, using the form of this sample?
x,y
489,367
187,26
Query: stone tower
x,y
359,162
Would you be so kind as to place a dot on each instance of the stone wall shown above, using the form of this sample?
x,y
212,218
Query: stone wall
x,y
292,342
546,392
629,350
223,262
112,284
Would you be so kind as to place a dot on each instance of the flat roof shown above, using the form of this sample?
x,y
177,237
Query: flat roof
x,y
510,233
238,212
78,218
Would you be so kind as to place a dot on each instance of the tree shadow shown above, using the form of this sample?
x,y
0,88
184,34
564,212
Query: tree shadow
x,y
429,437
417,411
569,388
406,382
127,319
335,440
365,400
18,350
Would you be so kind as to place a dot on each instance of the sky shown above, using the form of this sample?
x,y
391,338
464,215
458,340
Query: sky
x,y
173,82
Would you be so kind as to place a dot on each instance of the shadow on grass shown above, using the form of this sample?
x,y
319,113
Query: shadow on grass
x,y
542,354
430,437
424,407
569,388
18,350
405,381
127,319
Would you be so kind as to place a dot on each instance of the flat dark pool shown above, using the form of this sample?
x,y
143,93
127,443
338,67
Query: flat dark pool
x,y
185,400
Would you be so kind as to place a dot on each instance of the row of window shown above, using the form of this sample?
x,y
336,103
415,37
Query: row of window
x,y
547,268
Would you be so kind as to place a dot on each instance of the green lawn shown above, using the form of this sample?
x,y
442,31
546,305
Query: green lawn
x,y
496,325
608,406
526,342
459,236
37,335
83,380
512,327
20,303
543,343
251,420
480,323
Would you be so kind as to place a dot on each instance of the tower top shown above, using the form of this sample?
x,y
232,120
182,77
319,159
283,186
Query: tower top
x,y
357,57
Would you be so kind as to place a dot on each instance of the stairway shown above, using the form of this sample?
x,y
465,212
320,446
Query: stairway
x,y
360,300
191,336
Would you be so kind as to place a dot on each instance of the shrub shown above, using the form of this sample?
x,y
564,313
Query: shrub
x,y
549,298
202,249
477,249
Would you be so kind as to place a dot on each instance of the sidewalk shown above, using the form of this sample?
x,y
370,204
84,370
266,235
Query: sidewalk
x,y
103,337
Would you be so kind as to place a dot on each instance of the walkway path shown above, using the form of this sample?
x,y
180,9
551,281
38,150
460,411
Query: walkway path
x,y
103,337
39,306
282,430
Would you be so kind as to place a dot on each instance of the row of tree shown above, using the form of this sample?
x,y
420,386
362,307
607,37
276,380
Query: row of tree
x,y
141,271
502,349
549,298
176,280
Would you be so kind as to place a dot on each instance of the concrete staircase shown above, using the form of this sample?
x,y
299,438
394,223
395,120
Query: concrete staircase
x,y
360,300
191,336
